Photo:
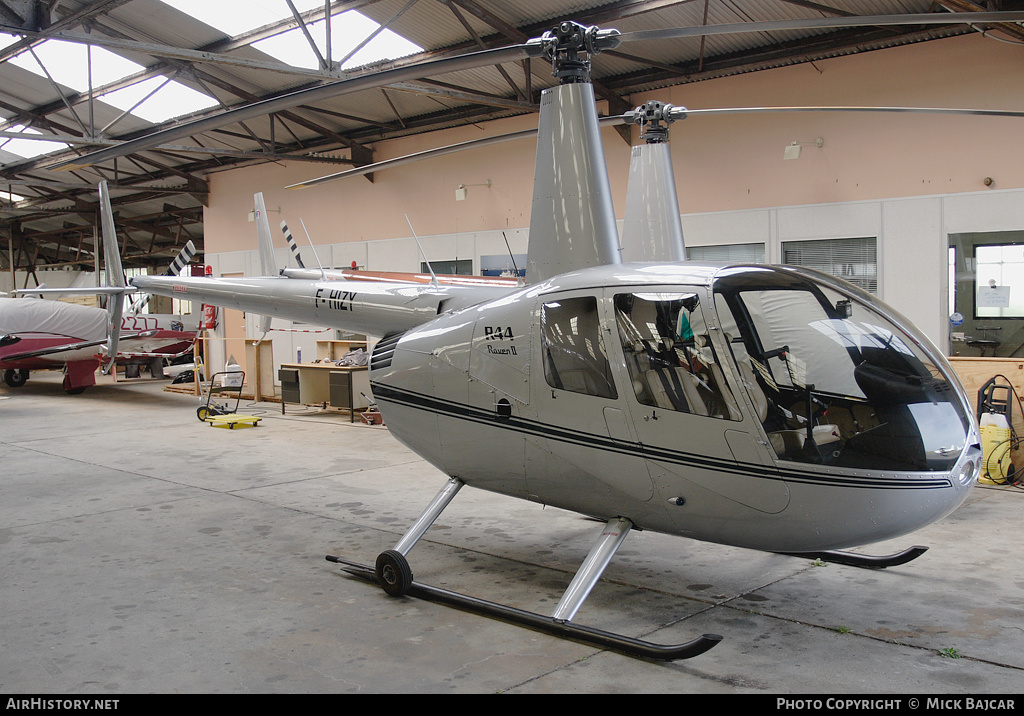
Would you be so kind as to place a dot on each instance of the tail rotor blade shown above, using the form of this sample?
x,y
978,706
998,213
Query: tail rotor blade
x,y
291,244
180,261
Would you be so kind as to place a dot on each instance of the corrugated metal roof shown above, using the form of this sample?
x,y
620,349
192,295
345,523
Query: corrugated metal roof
x,y
164,189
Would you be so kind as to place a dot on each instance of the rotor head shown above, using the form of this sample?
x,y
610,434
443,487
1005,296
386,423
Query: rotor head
x,y
569,47
654,117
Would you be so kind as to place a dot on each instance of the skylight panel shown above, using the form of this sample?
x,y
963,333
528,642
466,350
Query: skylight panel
x,y
348,30
157,100
235,17
28,148
68,64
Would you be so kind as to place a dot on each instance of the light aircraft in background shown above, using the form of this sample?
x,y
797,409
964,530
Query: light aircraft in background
x,y
768,407
54,335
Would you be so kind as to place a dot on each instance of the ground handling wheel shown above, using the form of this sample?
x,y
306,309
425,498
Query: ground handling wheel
x,y
394,573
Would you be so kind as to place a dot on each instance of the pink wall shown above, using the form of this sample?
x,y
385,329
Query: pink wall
x,y
728,163
722,163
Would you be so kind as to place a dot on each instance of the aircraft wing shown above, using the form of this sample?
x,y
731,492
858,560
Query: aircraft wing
x,y
70,347
376,308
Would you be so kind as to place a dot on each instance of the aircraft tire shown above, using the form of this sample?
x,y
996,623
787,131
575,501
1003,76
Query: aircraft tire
x,y
15,377
394,573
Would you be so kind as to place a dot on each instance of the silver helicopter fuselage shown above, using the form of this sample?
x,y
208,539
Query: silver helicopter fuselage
x,y
768,407
571,394
675,395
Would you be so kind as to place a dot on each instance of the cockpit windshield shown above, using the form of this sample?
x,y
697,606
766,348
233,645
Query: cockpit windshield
x,y
833,381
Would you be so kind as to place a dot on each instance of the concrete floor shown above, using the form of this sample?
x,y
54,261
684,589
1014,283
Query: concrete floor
x,y
142,551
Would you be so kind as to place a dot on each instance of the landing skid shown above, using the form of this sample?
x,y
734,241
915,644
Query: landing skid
x,y
393,574
549,625
864,560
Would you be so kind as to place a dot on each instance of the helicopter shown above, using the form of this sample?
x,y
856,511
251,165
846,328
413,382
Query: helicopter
x,y
774,408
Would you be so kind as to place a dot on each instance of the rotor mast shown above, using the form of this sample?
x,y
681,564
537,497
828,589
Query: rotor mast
x,y
652,229
572,221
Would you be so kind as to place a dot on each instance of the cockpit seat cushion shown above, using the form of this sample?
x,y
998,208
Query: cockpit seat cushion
x,y
791,442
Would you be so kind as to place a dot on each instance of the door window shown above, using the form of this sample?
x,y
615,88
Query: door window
x,y
669,356
574,355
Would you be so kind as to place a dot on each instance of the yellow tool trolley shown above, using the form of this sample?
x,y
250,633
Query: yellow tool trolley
x,y
217,410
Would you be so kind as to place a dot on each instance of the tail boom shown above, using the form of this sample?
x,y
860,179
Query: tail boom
x,y
373,308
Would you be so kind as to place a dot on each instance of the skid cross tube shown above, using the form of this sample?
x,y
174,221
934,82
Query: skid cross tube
x,y
586,635
592,568
431,513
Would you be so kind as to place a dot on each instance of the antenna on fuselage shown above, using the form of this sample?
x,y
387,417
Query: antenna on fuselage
x,y
310,238
519,279
433,276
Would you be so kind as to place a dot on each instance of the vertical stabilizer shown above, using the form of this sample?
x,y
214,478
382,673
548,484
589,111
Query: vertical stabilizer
x,y
268,262
114,274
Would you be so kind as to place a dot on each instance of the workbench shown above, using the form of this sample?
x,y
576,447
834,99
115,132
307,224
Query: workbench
x,y
345,387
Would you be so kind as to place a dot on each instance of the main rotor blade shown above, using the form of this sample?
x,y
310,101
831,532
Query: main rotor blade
x,y
906,110
946,18
626,118
372,80
438,152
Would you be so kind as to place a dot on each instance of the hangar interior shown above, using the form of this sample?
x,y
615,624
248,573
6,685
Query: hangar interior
x,y
187,111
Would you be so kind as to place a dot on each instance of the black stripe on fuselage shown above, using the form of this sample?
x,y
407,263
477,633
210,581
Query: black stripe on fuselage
x,y
461,411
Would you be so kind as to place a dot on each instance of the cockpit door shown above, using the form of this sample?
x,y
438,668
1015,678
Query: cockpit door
x,y
582,448
694,425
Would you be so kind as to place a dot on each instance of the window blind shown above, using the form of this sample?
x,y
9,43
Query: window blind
x,y
854,260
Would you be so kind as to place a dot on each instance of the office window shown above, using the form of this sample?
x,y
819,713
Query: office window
x,y
853,260
732,253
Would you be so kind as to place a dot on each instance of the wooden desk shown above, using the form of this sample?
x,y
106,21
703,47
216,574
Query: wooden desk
x,y
327,384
